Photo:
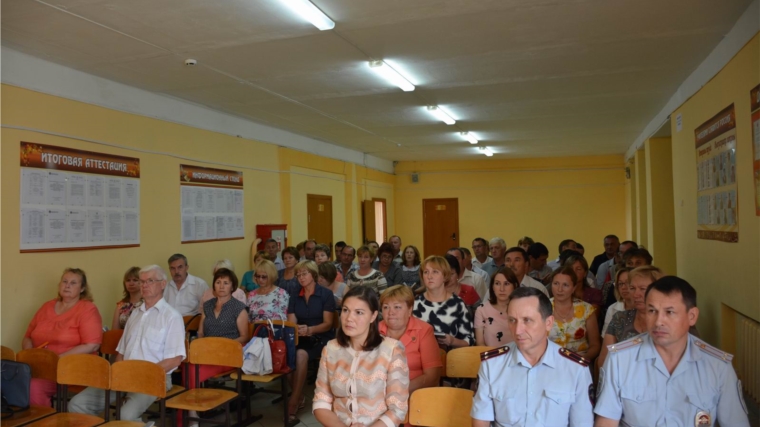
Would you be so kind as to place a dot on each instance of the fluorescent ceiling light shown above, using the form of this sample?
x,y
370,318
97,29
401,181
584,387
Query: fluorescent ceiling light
x,y
470,137
487,151
440,115
388,73
306,10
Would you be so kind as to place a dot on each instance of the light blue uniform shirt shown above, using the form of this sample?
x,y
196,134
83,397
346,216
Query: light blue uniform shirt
x,y
553,393
636,388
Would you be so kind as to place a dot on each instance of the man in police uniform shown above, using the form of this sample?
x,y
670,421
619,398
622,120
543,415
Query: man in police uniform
x,y
667,377
532,381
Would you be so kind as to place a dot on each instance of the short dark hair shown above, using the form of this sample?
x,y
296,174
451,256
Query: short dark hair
x,y
511,278
567,253
350,247
340,244
669,285
481,240
525,241
630,242
328,271
461,254
611,236
292,251
368,295
385,248
323,248
270,240
453,263
176,257
225,272
537,249
373,241
564,243
465,251
579,246
517,249
640,253
544,304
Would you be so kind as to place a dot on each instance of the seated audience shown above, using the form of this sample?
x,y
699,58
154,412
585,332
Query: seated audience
x,y
385,265
239,293
442,309
611,246
538,253
67,324
395,241
480,253
638,258
606,272
328,277
579,248
267,301
468,294
575,325
154,332
420,345
410,269
312,309
565,245
365,275
375,248
497,246
491,322
468,265
622,295
363,377
131,298
286,278
322,255
185,291
583,290
308,250
247,284
525,243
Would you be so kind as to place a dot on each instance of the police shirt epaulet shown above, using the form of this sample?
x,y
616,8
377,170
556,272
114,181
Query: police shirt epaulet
x,y
633,342
490,354
575,357
714,352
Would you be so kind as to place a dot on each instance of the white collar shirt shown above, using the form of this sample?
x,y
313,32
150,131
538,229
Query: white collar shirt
x,y
153,334
476,281
530,282
478,264
601,274
187,299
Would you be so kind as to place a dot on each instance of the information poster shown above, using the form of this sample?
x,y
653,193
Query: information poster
x,y
212,204
717,213
755,108
74,199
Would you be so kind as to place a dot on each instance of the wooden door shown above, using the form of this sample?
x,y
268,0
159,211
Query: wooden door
x,y
368,212
319,217
440,225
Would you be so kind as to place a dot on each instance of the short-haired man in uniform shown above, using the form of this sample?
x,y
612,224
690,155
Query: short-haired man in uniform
x,y
532,381
667,376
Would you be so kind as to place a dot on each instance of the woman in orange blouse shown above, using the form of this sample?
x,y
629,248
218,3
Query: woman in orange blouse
x,y
422,354
68,324
363,378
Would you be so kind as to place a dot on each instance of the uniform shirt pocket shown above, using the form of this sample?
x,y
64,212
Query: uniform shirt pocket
x,y
706,400
556,407
509,408
640,405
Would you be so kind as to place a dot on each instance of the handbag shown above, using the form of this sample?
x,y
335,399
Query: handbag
x,y
278,348
16,381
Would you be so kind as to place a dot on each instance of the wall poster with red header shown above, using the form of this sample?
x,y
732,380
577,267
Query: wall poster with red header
x,y
717,191
211,205
754,95
74,199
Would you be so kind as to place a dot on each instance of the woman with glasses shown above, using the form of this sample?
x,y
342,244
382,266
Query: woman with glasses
x,y
623,297
267,302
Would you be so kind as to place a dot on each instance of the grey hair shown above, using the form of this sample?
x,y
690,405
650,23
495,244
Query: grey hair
x,y
154,269
498,241
224,263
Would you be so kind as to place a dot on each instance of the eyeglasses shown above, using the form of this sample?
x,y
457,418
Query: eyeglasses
x,y
299,275
149,281
260,276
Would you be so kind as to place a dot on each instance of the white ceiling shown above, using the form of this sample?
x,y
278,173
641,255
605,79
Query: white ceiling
x,y
530,78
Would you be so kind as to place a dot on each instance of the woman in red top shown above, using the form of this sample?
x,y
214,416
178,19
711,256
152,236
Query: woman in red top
x,y
68,324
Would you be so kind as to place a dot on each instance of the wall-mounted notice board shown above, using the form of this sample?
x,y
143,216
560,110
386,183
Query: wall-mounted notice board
x,y
73,199
212,204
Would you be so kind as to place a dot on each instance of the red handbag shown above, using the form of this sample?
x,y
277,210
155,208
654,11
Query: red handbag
x,y
278,348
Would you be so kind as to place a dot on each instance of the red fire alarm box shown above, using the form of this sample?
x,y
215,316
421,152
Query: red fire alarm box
x,y
278,232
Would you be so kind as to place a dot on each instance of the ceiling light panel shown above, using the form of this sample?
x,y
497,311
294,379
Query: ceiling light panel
x,y
385,71
306,10
469,137
439,114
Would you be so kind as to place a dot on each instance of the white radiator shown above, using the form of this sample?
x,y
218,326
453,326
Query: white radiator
x,y
747,358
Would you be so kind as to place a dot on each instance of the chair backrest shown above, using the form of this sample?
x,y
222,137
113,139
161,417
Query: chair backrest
x,y
138,376
442,353
110,341
216,351
440,407
464,362
192,322
87,370
7,353
44,363
256,324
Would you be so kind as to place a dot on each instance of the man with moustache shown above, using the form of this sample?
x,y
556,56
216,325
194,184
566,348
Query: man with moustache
x,y
185,291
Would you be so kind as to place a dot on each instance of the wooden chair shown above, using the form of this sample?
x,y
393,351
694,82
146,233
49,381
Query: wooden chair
x,y
86,370
440,407
210,351
192,323
464,362
269,378
138,376
44,365
7,353
110,342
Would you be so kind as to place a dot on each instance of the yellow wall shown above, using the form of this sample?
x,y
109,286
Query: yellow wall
x,y
27,280
726,273
660,219
548,199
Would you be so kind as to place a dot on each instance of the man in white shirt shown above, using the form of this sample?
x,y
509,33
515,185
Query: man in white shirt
x,y
563,245
273,251
467,277
154,333
517,260
477,270
185,291
398,257
480,253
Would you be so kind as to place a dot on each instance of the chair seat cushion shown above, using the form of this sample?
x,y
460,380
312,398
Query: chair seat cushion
x,y
200,399
68,419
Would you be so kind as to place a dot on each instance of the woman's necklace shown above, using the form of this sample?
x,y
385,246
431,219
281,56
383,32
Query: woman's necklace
x,y
564,317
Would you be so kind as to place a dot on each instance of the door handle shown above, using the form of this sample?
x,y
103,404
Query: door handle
x,y
454,236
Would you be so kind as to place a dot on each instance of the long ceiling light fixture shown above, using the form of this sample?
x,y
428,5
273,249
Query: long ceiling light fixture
x,y
440,115
306,10
487,151
470,137
385,71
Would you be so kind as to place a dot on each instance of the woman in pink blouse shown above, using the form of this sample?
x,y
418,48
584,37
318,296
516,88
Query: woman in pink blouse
x,y
491,325
363,378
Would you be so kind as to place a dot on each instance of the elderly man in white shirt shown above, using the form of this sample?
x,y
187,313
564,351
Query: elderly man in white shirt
x,y
185,291
480,252
154,333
